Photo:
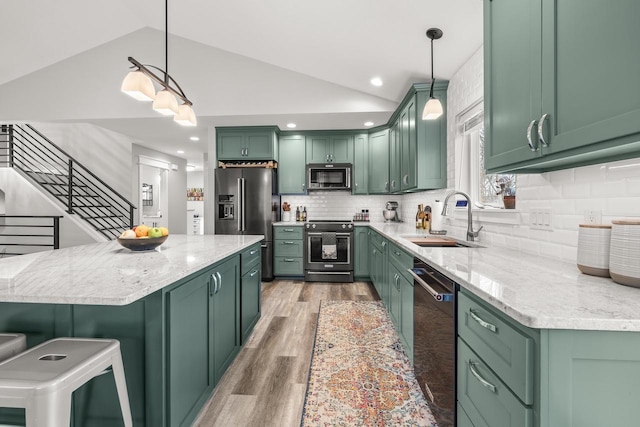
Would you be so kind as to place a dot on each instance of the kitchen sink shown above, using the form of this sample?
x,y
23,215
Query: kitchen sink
x,y
440,242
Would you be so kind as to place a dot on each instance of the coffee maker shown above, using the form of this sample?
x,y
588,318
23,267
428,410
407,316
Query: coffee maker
x,y
391,213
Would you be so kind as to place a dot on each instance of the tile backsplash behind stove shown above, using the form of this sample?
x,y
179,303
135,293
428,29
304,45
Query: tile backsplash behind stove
x,y
336,204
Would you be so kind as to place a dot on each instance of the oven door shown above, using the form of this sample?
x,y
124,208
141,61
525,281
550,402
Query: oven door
x,y
314,259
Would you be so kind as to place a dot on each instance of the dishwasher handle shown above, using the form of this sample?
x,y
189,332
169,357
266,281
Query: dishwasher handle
x,y
438,296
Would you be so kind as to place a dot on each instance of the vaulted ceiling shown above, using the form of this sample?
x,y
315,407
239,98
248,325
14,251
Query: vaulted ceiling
x,y
246,62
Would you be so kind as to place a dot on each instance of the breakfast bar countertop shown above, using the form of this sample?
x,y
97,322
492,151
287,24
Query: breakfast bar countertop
x,y
109,274
538,292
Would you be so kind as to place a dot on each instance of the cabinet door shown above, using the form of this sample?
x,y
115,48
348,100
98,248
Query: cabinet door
x,y
341,150
249,301
292,165
230,146
188,344
576,60
318,148
224,317
259,146
379,162
512,79
394,295
361,268
361,165
406,314
409,152
395,150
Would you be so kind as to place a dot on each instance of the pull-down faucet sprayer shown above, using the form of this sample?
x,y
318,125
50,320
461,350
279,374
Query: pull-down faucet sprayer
x,y
471,235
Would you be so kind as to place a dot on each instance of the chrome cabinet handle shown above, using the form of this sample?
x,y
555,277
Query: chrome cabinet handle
x,y
219,280
541,130
405,179
393,184
212,290
287,243
384,244
253,252
476,374
482,322
253,273
386,186
288,230
533,146
289,260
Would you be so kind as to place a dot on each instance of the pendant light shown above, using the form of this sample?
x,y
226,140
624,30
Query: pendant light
x,y
139,85
433,107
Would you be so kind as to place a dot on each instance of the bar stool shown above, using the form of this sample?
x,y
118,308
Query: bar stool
x,y
11,344
42,379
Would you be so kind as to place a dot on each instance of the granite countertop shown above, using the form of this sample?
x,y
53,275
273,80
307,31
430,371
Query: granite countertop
x,y
538,292
109,274
289,223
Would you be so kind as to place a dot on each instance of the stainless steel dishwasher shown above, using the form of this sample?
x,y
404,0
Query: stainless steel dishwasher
x,y
434,340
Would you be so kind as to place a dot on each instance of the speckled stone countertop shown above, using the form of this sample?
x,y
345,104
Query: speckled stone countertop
x,y
288,223
538,292
109,274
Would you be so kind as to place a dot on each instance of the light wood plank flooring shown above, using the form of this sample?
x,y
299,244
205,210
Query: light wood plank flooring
x,y
266,384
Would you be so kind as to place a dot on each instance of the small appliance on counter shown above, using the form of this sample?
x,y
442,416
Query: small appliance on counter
x,y
390,213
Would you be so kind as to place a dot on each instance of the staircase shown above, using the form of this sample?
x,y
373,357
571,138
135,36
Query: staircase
x,y
82,193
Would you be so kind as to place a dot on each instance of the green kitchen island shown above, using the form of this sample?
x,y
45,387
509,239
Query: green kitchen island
x,y
181,312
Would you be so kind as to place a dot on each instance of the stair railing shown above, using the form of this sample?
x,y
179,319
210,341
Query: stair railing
x,y
76,187
23,234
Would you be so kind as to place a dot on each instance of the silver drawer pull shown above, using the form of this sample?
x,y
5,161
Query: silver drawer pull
x,y
541,130
534,147
289,230
289,260
253,273
288,243
487,384
481,322
253,252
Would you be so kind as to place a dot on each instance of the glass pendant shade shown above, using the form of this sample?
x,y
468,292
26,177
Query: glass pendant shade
x,y
138,86
185,116
432,109
165,103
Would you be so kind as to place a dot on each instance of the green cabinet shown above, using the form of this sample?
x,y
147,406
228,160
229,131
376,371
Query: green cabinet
x,y
401,295
361,252
542,60
250,282
379,162
395,156
329,147
379,268
224,322
360,164
291,164
247,143
288,250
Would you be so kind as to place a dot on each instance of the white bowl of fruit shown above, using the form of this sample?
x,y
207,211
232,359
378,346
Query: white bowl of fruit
x,y
143,238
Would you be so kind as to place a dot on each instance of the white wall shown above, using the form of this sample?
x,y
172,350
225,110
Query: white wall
x,y
195,179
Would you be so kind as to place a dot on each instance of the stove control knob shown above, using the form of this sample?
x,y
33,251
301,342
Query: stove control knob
x,y
344,226
314,226
350,225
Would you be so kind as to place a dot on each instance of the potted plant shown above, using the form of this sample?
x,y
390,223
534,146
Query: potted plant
x,y
507,184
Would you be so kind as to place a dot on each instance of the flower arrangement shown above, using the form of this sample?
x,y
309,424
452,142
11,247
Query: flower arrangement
x,y
286,207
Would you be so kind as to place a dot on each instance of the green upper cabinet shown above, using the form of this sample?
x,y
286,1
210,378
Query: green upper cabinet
x,y
291,166
379,162
542,61
360,164
408,159
329,147
247,143
395,155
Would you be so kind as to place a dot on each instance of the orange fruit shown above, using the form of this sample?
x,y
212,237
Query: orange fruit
x,y
165,231
142,230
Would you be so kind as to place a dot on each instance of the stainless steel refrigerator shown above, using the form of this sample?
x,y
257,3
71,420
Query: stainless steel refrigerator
x,y
247,202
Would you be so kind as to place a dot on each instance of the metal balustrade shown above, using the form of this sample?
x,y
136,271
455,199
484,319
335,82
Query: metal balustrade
x,y
23,234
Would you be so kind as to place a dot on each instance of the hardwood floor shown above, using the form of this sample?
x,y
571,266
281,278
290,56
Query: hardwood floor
x,y
266,384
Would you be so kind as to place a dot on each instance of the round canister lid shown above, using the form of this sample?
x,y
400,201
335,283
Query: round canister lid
x,y
626,222
595,226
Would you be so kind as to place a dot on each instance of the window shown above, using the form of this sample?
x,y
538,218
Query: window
x,y
471,177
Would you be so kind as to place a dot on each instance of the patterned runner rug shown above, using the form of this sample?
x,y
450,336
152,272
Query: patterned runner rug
x,y
360,374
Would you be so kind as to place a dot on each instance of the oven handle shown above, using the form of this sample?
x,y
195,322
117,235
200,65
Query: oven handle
x,y
313,233
437,296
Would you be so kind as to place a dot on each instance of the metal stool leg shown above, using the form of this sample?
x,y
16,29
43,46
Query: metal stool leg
x,y
53,410
118,374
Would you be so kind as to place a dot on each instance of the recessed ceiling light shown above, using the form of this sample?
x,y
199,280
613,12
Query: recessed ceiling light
x,y
368,123
180,152
376,81
291,125
194,138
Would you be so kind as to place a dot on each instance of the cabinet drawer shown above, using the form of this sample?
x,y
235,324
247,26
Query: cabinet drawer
x,y
377,240
249,257
402,260
288,232
463,418
507,350
486,400
287,266
288,248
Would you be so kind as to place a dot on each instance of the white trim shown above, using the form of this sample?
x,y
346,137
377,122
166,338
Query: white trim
x,y
150,161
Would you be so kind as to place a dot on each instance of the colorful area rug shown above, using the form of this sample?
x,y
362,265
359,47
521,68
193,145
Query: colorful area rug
x,y
360,374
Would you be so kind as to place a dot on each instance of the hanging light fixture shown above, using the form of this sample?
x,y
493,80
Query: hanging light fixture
x,y
139,85
433,107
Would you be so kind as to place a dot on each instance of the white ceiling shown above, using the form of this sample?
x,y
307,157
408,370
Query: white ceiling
x,y
248,62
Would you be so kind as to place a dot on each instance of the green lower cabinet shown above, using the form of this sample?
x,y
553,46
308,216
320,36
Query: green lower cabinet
x,y
395,298
463,419
190,378
288,266
406,314
250,300
361,252
224,320
287,251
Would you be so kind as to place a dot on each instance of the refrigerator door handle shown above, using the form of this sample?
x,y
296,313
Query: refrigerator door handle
x,y
242,217
240,202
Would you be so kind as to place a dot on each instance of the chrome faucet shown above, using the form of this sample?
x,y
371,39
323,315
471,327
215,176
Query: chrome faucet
x,y
471,235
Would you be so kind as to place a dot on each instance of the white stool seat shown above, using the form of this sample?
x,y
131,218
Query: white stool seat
x,y
11,344
42,379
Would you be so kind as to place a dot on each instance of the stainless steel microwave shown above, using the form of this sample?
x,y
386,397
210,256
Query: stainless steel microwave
x,y
329,176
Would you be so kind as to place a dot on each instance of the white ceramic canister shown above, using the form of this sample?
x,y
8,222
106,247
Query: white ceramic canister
x,y
624,260
593,249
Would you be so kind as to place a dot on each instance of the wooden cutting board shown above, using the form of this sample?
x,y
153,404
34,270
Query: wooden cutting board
x,y
436,241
